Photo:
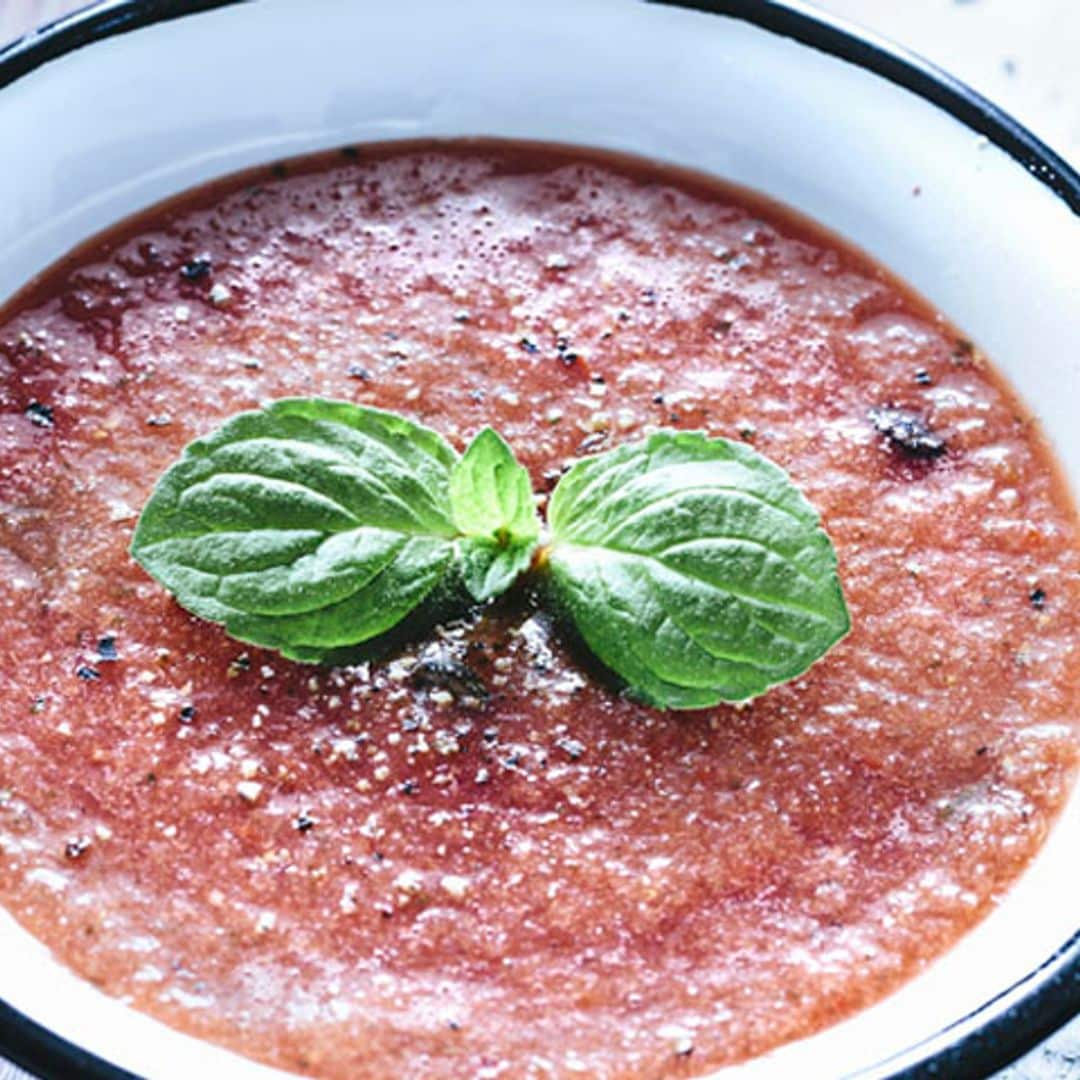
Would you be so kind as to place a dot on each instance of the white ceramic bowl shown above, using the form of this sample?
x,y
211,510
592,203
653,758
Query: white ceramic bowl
x,y
112,110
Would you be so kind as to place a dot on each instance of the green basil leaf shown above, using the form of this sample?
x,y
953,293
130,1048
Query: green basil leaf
x,y
694,569
308,526
492,502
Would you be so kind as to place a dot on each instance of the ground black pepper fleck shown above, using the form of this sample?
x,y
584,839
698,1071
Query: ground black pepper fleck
x,y
40,415
76,848
87,673
439,670
907,432
106,648
572,748
1038,598
566,354
239,665
197,268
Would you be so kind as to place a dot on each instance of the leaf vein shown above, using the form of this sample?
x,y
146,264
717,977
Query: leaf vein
x,y
698,489
761,599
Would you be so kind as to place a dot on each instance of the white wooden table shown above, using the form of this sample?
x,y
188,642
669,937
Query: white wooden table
x,y
1022,54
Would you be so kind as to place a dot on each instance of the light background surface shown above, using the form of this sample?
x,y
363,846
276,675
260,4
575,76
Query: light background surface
x,y
1023,55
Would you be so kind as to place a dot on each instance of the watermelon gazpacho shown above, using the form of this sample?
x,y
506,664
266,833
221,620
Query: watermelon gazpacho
x,y
478,855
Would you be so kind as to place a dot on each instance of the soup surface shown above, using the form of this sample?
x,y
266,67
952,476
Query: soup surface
x,y
477,858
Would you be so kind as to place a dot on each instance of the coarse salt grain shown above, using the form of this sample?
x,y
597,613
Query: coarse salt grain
x,y
249,790
454,885
409,881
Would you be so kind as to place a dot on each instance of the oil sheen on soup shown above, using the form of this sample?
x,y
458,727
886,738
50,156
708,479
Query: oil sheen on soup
x,y
477,857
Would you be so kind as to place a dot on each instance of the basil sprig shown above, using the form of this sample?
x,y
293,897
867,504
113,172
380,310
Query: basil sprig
x,y
307,527
691,566
491,498
694,568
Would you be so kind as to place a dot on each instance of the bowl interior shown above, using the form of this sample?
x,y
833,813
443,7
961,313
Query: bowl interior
x,y
112,127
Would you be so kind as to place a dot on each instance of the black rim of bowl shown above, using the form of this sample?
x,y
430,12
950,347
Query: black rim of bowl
x,y
1019,1017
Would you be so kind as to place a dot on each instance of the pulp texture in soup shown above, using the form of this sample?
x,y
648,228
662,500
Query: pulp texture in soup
x,y
477,857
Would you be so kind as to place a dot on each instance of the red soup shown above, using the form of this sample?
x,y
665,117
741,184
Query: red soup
x,y
478,858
